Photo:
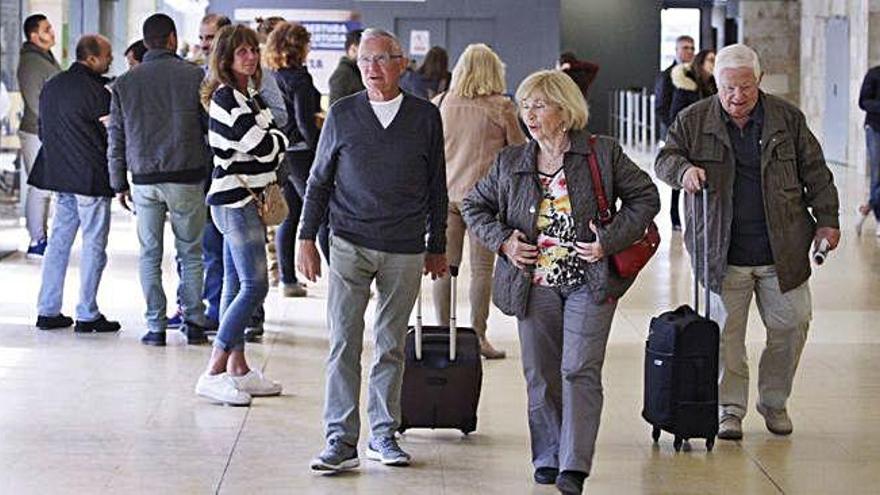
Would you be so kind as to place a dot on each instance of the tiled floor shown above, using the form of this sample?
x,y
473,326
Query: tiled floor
x,y
105,414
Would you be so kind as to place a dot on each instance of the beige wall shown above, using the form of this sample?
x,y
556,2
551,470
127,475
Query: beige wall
x,y
55,11
772,28
814,18
874,33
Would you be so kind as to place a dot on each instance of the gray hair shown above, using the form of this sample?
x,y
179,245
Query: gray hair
x,y
381,33
735,57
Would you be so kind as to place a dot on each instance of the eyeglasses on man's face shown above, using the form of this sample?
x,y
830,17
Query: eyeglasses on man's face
x,y
383,59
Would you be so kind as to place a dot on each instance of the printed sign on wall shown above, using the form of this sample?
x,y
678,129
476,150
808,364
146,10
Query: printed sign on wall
x,y
419,42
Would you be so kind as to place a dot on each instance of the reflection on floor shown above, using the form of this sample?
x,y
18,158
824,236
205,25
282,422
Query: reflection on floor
x,y
105,414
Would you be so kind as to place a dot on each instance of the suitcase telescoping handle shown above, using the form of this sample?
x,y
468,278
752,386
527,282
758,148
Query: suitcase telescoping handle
x,y
453,331
704,195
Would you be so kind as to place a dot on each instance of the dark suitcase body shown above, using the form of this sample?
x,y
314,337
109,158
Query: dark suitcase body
x,y
681,367
681,376
438,391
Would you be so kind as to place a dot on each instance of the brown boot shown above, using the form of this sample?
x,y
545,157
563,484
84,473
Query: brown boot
x,y
490,352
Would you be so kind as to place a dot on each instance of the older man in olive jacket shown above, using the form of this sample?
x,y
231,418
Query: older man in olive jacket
x,y
771,196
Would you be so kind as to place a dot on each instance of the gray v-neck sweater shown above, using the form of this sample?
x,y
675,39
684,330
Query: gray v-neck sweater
x,y
385,188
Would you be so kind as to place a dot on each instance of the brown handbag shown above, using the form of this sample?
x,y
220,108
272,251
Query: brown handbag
x,y
629,262
271,205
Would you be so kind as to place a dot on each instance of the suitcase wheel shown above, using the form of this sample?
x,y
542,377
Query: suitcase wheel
x,y
676,444
687,445
710,443
655,434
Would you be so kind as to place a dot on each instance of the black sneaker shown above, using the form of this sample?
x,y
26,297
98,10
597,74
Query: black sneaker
x,y
195,334
546,475
101,325
154,338
54,322
571,482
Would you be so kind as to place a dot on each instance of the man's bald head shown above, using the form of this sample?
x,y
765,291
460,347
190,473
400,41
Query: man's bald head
x,y
95,51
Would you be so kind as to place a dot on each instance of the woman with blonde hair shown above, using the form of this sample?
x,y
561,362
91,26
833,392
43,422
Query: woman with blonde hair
x,y
478,121
286,51
248,148
537,208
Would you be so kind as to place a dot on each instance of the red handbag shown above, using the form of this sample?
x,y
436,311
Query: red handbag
x,y
629,262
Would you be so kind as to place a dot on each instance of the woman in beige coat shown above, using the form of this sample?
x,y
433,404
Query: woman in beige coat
x,y
478,121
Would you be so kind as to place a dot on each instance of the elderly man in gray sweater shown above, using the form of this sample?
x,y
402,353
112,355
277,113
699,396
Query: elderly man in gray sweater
x,y
380,168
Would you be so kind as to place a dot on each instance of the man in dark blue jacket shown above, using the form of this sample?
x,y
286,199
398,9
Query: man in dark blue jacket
x,y
869,101
74,107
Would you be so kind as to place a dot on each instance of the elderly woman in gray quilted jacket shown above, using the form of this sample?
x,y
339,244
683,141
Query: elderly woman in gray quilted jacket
x,y
538,210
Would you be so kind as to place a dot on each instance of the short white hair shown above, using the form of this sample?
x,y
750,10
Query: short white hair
x,y
381,33
735,57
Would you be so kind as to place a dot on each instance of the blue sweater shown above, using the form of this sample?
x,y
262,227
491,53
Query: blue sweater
x,y
384,187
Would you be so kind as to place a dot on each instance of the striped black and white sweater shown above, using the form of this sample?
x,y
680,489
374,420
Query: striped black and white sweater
x,y
246,143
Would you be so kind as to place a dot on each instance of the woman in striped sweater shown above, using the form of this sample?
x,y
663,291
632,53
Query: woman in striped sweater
x,y
248,148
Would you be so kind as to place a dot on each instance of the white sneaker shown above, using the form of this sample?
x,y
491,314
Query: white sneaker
x,y
861,216
255,384
222,388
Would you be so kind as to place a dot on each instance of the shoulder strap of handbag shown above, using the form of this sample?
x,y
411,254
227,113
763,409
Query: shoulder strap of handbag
x,y
251,191
598,188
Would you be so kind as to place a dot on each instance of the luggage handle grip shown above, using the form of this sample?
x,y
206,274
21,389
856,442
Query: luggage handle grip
x,y
704,194
453,331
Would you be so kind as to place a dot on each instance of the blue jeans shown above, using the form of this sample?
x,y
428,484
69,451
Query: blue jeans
x,y
74,212
245,273
873,140
185,205
299,165
285,236
212,244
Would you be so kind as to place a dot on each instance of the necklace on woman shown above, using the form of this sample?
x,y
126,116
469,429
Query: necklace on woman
x,y
550,163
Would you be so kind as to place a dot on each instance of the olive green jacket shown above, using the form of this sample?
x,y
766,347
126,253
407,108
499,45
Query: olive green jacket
x,y
799,191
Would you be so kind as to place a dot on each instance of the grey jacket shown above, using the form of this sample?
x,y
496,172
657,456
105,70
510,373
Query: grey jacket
x,y
35,67
157,124
508,199
799,191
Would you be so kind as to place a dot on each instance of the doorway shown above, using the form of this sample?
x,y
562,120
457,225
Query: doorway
x,y
836,119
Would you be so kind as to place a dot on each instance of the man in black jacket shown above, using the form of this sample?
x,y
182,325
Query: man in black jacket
x,y
346,79
74,107
663,91
869,101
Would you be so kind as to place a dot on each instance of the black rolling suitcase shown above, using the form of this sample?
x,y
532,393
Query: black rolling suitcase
x,y
681,364
443,374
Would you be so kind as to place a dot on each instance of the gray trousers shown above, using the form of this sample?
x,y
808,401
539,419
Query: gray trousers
x,y
352,270
35,201
563,339
787,319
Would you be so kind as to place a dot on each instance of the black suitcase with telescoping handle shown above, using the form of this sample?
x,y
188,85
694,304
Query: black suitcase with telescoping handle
x,y
681,362
443,374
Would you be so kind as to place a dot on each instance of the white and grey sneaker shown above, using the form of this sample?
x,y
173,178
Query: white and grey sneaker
x,y
388,452
730,428
337,456
255,384
862,212
221,388
776,420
